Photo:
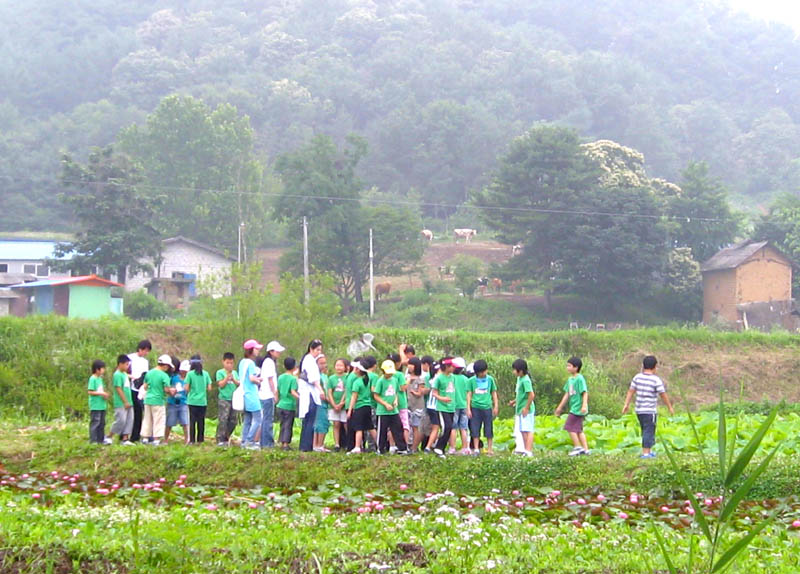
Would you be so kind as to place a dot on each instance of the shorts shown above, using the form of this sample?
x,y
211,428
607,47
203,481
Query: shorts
x,y
321,423
481,417
362,419
524,423
415,418
177,415
574,423
460,420
433,416
404,419
337,416
123,421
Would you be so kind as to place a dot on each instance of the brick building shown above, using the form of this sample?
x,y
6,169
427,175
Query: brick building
x,y
748,284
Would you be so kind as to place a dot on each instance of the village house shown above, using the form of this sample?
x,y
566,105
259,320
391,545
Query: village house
x,y
85,297
29,256
748,285
186,267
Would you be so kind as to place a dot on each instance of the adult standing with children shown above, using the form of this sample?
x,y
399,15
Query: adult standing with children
x,y
251,381
139,367
268,392
310,390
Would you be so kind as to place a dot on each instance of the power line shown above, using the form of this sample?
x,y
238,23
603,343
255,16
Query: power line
x,y
394,201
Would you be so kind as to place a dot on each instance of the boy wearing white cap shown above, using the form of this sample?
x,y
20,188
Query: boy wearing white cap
x,y
268,391
156,383
177,411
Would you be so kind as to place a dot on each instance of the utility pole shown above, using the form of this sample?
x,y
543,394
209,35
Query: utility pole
x,y
371,279
240,249
305,260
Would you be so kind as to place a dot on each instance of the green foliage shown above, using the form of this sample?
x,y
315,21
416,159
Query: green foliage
x,y
320,183
467,270
117,228
141,306
781,226
201,159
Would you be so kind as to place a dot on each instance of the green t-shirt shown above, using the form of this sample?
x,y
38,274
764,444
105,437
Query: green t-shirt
x,y
337,385
388,391
157,380
363,393
226,392
524,386
287,383
461,391
482,390
198,388
402,397
446,387
121,380
96,402
373,378
323,382
575,387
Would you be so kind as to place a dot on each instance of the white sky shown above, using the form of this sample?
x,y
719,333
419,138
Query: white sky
x,y
786,11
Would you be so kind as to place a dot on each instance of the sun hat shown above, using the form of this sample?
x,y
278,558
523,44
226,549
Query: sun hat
x,y
275,346
185,366
252,344
459,363
165,360
388,367
357,365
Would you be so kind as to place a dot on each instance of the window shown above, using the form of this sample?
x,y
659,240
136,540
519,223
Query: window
x,y
42,271
3,267
29,268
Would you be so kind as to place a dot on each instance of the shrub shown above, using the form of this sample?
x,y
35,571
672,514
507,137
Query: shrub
x,y
141,306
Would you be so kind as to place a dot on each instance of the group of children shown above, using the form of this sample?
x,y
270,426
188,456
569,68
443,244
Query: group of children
x,y
405,404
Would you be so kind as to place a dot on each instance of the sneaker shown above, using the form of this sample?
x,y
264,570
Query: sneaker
x,y
528,453
584,452
475,452
319,449
127,443
576,451
155,442
337,448
403,452
438,452
253,447
392,449
222,443
466,451
108,441
451,451
356,450
427,451
648,455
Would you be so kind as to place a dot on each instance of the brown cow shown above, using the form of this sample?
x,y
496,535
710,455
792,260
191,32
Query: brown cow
x,y
497,284
427,234
382,289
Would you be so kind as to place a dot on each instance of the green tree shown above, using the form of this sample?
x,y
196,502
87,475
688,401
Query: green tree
x,y
781,226
682,294
320,183
704,220
117,221
202,161
466,270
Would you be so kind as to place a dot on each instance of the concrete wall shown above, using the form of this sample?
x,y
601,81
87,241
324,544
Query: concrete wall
x,y
89,302
19,267
186,258
719,296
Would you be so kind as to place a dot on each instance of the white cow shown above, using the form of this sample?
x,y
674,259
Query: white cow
x,y
465,234
427,234
516,249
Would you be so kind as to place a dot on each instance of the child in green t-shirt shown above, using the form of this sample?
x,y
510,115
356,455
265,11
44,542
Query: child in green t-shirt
x,y
444,390
577,394
286,407
198,385
482,406
123,401
386,394
227,380
524,408
336,391
97,404
321,423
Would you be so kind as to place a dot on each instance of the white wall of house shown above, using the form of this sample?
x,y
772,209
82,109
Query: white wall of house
x,y
32,267
183,257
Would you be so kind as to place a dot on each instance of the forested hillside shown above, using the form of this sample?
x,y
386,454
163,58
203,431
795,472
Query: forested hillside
x,y
437,88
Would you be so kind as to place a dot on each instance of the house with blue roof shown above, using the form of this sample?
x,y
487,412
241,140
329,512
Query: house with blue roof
x,y
29,256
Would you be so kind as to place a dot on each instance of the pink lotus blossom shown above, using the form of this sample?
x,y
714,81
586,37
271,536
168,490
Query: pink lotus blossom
x,y
271,496
54,473
103,491
326,511
555,493
796,524
708,502
162,480
102,482
690,511
369,495
253,505
403,487
515,492
36,495
363,509
530,500
182,477
25,476
211,507
634,499
519,504
379,506
623,516
66,491
600,498
581,501
665,508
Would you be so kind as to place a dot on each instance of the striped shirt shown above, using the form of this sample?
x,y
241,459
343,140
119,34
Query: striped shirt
x,y
647,388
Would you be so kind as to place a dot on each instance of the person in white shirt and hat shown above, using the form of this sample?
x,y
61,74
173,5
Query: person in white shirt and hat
x,y
309,387
268,391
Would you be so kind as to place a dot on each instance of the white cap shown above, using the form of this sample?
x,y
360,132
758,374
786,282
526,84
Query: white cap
x,y
357,365
459,363
185,366
275,346
165,360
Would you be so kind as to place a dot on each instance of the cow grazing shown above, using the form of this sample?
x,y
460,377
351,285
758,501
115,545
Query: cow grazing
x,y
427,234
483,283
465,234
516,250
382,289
497,284
516,285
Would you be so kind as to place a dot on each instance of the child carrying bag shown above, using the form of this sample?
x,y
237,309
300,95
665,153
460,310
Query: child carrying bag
x,y
238,398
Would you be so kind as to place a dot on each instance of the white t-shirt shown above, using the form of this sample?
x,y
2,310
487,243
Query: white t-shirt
x,y
307,390
139,366
268,371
